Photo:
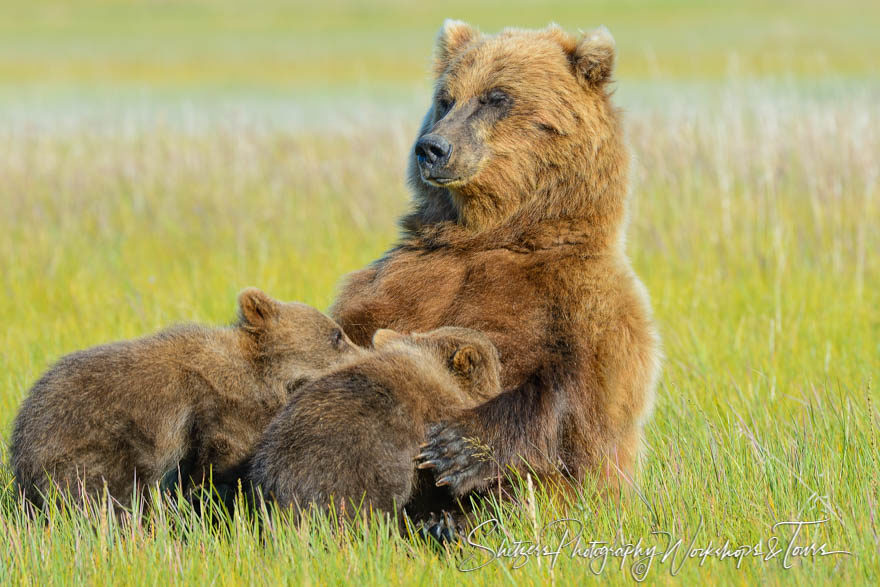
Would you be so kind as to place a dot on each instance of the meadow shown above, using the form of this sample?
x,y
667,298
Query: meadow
x,y
155,159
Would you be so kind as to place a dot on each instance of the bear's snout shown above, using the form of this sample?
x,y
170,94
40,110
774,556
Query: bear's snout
x,y
432,152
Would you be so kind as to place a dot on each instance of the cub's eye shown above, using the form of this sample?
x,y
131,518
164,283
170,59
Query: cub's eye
x,y
444,105
496,98
292,386
337,338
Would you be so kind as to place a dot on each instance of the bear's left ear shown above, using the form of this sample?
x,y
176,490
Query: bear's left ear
x,y
256,309
453,36
593,56
465,360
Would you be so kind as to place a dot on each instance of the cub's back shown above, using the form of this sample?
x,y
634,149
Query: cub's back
x,y
93,402
351,434
339,436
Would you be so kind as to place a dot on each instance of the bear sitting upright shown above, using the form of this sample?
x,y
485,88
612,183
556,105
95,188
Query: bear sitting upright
x,y
350,437
125,413
517,229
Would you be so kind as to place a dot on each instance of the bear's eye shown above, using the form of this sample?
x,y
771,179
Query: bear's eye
x,y
444,105
292,386
496,98
337,338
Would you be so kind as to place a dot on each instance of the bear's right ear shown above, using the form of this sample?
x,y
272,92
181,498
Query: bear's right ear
x,y
256,308
384,336
465,360
453,36
593,56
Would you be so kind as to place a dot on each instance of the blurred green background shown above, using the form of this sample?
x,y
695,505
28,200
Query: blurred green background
x,y
350,46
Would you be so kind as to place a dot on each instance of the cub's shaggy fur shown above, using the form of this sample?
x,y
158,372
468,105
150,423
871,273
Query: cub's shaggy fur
x,y
353,434
517,229
125,413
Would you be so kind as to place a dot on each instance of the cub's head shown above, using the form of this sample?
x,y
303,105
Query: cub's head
x,y
293,342
468,354
521,126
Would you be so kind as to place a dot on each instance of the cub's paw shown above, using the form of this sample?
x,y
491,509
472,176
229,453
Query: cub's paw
x,y
458,460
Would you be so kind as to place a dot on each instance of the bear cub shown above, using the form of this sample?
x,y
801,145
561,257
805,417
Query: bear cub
x,y
350,437
123,414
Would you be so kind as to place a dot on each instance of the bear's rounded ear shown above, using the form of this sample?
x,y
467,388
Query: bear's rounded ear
x,y
593,56
384,336
453,36
256,308
465,360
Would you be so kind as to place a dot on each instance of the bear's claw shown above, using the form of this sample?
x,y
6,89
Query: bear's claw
x,y
438,531
452,457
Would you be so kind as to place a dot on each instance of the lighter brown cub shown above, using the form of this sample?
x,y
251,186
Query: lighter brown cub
x,y
124,413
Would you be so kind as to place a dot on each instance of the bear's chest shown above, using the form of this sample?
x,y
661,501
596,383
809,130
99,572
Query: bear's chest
x,y
481,287
497,292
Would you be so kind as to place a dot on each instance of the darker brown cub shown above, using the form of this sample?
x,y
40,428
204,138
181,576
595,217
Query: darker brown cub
x,y
124,413
351,436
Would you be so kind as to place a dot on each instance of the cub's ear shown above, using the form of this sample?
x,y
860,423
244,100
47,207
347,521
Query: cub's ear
x,y
466,360
383,336
256,308
593,56
453,36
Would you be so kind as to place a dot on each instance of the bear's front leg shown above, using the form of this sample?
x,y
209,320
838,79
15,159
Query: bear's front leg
x,y
518,430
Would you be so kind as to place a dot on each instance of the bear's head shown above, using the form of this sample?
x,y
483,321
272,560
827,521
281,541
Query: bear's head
x,y
469,356
291,342
521,130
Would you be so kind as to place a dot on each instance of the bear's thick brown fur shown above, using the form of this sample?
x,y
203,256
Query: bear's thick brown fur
x,y
349,438
127,412
517,229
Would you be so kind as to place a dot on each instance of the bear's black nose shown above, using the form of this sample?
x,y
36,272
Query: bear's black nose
x,y
433,151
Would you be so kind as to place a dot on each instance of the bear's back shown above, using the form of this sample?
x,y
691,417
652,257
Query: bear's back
x,y
108,409
339,436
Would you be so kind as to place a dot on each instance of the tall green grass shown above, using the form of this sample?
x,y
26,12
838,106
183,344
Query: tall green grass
x,y
156,158
753,226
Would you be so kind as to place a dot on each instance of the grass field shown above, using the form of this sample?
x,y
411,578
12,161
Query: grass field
x,y
156,159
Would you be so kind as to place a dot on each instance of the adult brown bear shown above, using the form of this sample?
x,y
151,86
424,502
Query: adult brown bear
x,y
517,229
